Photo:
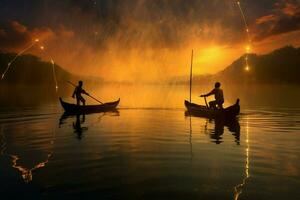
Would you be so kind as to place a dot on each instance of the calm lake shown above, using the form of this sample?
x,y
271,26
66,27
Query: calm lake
x,y
150,149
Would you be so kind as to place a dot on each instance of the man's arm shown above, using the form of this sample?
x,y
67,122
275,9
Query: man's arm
x,y
73,95
84,92
208,94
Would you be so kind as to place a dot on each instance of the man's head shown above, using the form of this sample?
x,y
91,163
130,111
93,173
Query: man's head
x,y
217,85
80,83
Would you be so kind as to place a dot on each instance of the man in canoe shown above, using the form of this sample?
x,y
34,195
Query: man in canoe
x,y
219,97
77,93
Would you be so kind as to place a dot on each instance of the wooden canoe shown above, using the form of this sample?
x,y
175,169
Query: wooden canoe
x,y
75,109
202,111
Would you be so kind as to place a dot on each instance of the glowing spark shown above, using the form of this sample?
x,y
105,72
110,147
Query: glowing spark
x,y
244,19
42,47
37,40
248,47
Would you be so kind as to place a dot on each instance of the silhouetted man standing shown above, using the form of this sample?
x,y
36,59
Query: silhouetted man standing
x,y
219,97
78,91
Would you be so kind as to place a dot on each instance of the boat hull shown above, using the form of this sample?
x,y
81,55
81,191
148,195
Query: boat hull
x,y
202,111
75,109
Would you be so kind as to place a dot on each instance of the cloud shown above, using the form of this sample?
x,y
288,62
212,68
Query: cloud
x,y
14,35
291,9
284,20
266,19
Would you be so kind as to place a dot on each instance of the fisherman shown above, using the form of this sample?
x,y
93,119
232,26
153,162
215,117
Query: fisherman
x,y
78,91
219,97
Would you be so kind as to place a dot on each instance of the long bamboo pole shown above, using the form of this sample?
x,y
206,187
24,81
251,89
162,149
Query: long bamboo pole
x,y
191,75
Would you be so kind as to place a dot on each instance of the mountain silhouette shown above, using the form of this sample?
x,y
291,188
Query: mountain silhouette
x,y
282,66
31,70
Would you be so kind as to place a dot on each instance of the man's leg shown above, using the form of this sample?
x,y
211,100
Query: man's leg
x,y
82,100
212,104
220,105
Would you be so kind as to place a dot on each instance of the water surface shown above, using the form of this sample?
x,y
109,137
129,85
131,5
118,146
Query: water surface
x,y
151,151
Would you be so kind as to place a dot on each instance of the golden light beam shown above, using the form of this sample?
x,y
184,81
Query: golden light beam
x,y
54,74
245,21
53,68
19,54
238,189
248,47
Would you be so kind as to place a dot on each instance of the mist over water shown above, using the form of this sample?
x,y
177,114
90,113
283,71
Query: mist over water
x,y
162,96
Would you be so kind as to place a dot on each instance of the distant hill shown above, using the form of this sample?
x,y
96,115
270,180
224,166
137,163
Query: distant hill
x,y
31,70
30,81
281,66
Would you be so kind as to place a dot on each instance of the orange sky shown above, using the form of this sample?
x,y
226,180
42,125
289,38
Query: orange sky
x,y
149,40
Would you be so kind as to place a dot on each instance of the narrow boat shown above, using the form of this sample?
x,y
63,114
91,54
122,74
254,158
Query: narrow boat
x,y
75,109
203,111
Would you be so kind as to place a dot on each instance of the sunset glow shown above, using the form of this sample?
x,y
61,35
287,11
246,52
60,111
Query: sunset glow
x,y
135,43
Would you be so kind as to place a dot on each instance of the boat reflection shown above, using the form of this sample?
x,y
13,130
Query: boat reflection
x,y
216,134
78,129
218,131
77,125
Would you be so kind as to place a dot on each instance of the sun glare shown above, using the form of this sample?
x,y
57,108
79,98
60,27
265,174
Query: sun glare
x,y
248,49
209,59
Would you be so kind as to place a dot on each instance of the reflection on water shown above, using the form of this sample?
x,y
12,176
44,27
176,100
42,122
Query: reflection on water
x,y
49,151
216,136
238,189
219,124
78,127
26,172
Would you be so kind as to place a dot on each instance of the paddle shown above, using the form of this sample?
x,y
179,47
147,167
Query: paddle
x,y
206,102
86,94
